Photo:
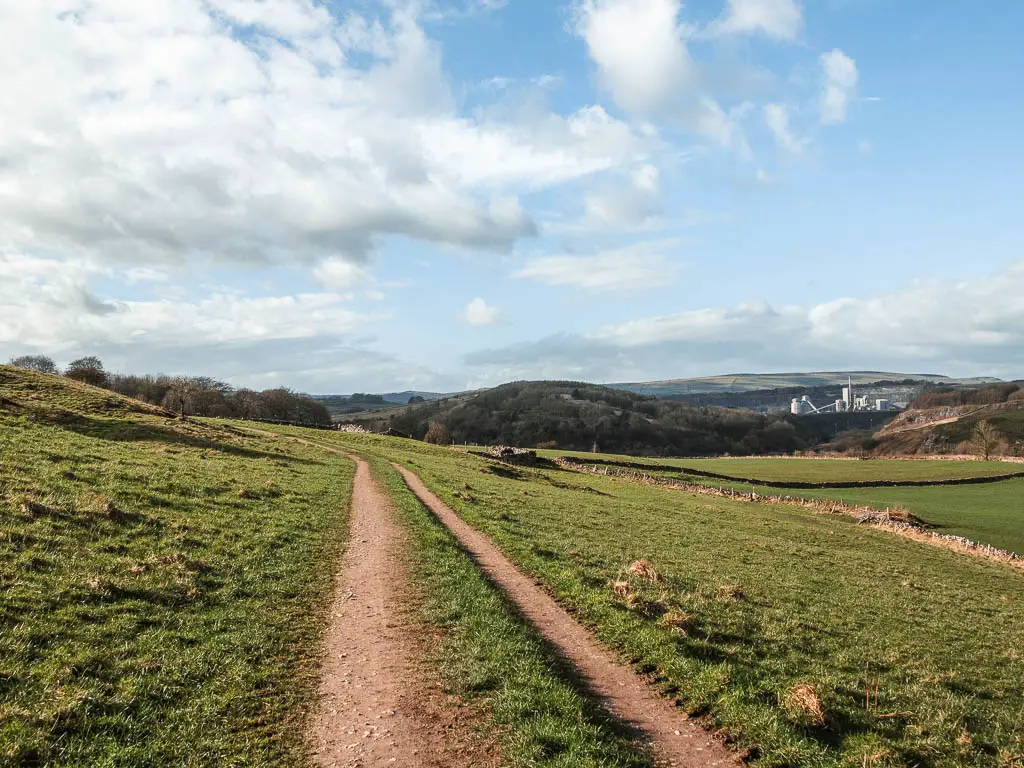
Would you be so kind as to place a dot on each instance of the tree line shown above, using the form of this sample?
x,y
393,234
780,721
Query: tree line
x,y
188,395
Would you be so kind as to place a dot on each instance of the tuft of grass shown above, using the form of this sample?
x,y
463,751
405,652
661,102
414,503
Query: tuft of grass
x,y
644,570
802,703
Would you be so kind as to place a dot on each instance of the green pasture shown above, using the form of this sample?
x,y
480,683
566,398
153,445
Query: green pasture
x,y
755,601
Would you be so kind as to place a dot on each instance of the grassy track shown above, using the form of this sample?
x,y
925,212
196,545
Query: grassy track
x,y
769,598
826,470
487,653
490,656
162,583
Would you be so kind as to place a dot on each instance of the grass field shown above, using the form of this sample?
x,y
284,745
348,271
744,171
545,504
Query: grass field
x,y
163,583
825,470
755,601
991,513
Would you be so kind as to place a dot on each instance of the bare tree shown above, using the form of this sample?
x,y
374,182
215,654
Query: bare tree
x,y
88,370
986,440
181,396
40,363
437,433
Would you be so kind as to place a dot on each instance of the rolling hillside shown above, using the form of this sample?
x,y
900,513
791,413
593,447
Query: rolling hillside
x,y
163,581
575,416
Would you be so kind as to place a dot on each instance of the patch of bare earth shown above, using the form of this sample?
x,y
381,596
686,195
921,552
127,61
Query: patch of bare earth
x,y
379,702
674,738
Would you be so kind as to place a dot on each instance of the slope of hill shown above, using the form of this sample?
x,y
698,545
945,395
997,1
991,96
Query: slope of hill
x,y
163,581
944,422
576,416
744,382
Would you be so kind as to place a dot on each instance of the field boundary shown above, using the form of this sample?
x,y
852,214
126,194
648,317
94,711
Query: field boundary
x,y
894,521
795,484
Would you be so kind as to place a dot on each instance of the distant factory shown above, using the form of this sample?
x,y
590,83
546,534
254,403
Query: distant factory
x,y
803,406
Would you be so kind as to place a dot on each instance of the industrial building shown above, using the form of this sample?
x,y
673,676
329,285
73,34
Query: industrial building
x,y
803,406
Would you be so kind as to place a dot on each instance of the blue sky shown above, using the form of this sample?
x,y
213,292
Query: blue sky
x,y
441,195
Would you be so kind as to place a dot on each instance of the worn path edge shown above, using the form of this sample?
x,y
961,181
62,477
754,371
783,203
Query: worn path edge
x,y
375,707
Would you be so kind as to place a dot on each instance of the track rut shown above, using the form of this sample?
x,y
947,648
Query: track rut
x,y
378,705
673,737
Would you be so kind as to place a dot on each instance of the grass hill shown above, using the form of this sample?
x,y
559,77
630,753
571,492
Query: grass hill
x,y
165,580
575,416
162,581
948,429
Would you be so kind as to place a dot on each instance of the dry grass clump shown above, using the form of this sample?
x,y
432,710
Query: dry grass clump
x,y
890,516
803,704
678,622
1010,757
729,592
644,570
621,589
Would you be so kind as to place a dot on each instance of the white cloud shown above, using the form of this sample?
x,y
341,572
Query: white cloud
x,y
174,130
478,312
636,267
146,275
957,327
840,86
620,206
780,19
776,117
928,320
640,50
340,275
49,306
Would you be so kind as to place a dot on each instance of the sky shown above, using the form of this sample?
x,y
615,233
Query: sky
x,y
380,195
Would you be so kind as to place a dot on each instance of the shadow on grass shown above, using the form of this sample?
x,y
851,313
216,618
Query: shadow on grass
x,y
122,431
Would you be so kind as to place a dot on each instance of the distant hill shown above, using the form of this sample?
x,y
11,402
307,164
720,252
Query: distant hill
x,y
746,382
402,398
942,421
344,405
576,416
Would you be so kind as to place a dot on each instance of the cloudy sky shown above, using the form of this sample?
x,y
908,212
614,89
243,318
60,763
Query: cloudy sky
x,y
440,194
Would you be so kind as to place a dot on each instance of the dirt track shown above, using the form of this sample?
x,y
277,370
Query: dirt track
x,y
378,705
676,740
